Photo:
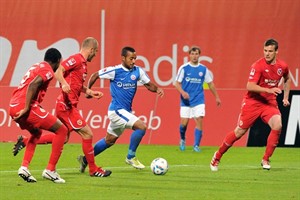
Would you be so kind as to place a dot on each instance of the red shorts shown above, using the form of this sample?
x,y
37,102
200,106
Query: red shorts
x,y
37,117
252,110
70,117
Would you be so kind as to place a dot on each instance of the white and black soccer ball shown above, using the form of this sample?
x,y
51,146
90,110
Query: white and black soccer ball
x,y
159,166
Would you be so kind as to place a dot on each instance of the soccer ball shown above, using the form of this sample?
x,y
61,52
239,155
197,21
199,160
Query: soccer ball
x,y
159,166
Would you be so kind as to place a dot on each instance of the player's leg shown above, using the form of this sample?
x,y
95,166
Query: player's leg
x,y
273,118
198,112
184,121
22,141
99,147
247,117
88,150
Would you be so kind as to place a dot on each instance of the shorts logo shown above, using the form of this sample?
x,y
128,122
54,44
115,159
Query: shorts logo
x,y
79,122
42,110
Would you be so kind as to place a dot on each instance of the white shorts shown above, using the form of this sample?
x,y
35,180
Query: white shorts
x,y
192,112
119,121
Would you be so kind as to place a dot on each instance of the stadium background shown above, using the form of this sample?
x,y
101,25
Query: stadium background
x,y
230,33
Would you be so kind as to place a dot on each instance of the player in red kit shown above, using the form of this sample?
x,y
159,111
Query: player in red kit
x,y
71,75
25,109
260,101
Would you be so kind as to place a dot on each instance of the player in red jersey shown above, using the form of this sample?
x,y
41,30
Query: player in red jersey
x,y
260,101
72,74
25,109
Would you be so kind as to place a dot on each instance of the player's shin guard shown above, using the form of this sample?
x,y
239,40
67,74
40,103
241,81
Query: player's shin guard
x,y
58,141
198,136
135,140
88,151
182,130
100,146
271,143
30,148
227,143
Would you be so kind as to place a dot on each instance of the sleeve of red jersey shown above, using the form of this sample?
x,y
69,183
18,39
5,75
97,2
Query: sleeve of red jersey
x,y
46,73
255,73
69,63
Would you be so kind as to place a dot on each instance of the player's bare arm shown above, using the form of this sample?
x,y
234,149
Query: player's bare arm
x,y
153,88
253,87
91,82
91,93
212,88
184,94
286,90
59,75
30,95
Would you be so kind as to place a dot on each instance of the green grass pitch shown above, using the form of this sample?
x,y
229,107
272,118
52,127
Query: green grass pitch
x,y
240,175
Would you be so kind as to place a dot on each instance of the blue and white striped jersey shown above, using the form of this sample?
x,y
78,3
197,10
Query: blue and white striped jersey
x,y
123,84
192,78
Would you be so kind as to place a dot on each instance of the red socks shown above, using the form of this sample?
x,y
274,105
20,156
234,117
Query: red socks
x,y
30,148
57,146
44,139
88,150
271,143
227,143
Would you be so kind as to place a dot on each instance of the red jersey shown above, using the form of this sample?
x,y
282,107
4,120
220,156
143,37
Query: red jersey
x,y
267,76
45,71
75,75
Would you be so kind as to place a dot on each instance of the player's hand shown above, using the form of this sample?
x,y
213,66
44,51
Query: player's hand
x,y
20,114
218,101
97,94
274,91
93,94
160,92
185,95
66,88
285,102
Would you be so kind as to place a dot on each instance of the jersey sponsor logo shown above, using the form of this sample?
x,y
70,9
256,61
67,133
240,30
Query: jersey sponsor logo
x,y
271,82
72,61
193,80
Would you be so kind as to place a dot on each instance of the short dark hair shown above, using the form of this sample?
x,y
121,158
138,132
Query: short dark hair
x,y
195,48
271,41
52,55
125,49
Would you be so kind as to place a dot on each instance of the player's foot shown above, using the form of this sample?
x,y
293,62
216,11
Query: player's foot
x,y
82,164
52,176
182,145
266,164
26,175
214,163
134,162
101,173
196,149
19,145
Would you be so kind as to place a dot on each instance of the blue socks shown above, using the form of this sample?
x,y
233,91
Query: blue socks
x,y
182,130
135,139
198,136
